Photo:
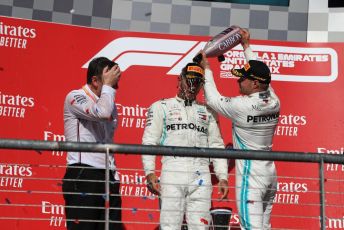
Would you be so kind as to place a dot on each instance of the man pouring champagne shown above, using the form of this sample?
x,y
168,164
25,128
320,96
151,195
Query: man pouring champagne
x,y
256,181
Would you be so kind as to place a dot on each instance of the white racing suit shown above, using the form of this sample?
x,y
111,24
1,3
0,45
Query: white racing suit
x,y
185,181
254,119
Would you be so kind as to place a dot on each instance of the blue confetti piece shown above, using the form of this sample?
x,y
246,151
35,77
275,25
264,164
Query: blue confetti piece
x,y
144,198
200,182
83,194
134,210
150,216
104,196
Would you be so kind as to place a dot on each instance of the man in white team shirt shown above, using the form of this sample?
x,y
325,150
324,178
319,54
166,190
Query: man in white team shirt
x,y
90,116
254,117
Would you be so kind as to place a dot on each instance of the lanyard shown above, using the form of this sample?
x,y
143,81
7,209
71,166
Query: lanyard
x,y
89,94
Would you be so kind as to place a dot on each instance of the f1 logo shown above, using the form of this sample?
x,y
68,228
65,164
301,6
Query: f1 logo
x,y
129,51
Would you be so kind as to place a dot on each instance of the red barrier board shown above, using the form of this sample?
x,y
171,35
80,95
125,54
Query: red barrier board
x,y
41,62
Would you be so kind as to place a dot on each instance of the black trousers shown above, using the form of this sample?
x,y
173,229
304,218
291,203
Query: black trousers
x,y
85,199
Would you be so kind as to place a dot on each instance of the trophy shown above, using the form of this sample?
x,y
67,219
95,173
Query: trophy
x,y
221,43
220,218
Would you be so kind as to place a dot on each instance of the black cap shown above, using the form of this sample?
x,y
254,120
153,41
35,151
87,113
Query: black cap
x,y
193,69
255,70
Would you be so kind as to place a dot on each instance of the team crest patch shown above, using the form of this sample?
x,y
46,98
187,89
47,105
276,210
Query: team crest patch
x,y
203,117
79,99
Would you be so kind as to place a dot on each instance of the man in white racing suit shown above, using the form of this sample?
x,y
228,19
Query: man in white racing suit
x,y
254,118
185,182
90,116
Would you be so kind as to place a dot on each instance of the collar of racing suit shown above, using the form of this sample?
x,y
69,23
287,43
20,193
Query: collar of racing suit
x,y
186,102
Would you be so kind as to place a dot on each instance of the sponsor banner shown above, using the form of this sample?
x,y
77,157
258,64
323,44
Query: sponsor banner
x,y
335,222
15,106
131,116
54,212
16,36
290,125
12,176
295,64
41,62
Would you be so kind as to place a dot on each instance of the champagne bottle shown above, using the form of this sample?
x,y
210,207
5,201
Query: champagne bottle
x,y
221,43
